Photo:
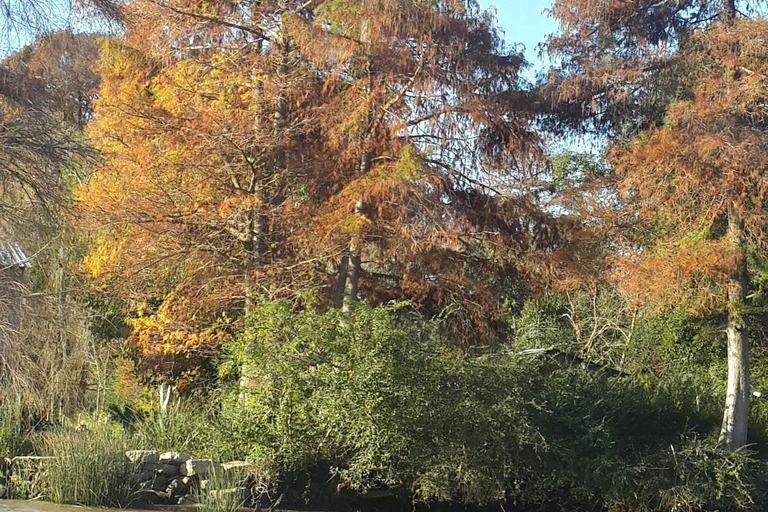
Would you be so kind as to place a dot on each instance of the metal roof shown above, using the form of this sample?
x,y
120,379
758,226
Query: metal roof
x,y
11,255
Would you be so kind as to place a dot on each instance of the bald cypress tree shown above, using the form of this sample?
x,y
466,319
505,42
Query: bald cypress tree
x,y
677,87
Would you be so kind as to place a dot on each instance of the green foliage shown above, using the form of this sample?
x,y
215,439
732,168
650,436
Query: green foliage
x,y
644,442
542,324
88,468
15,430
570,169
185,427
620,441
317,401
706,478
223,492
678,342
380,399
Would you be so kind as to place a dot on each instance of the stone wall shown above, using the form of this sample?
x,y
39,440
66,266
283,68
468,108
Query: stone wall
x,y
178,478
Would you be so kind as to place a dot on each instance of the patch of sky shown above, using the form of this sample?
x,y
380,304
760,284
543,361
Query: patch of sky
x,y
526,24
22,21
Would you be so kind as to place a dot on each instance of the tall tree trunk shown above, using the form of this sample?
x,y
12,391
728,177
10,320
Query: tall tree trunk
x,y
353,268
733,433
729,11
341,282
350,285
353,263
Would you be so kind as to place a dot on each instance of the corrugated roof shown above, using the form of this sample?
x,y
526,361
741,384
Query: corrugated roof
x,y
11,255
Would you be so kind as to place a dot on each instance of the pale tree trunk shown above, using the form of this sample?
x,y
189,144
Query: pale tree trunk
x,y
733,433
350,285
352,264
352,269
338,296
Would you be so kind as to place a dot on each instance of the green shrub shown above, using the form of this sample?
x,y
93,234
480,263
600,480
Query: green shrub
x,y
380,399
705,478
633,445
88,468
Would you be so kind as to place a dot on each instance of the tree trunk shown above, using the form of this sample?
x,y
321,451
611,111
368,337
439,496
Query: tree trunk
x,y
353,270
341,283
350,286
729,11
733,433
354,262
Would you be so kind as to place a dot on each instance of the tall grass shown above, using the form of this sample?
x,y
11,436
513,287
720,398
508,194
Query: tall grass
x,y
223,493
15,427
184,428
89,468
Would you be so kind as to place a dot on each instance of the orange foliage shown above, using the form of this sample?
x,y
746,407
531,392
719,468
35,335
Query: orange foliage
x,y
246,149
711,154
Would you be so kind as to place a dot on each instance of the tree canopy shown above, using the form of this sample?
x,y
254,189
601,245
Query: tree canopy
x,y
384,149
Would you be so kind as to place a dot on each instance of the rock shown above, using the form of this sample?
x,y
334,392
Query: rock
x,y
140,476
142,456
235,464
174,458
179,486
162,469
200,467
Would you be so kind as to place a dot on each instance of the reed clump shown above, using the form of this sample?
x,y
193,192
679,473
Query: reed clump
x,y
87,468
223,492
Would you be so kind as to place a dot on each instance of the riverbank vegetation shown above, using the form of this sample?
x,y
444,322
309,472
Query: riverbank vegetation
x,y
341,241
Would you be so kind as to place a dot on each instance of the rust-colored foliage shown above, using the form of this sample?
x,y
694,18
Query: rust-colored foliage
x,y
618,58
679,87
711,154
248,148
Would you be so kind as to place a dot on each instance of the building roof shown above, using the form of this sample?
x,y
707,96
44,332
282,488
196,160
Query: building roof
x,y
11,255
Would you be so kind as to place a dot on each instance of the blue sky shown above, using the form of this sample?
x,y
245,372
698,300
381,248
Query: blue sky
x,y
524,21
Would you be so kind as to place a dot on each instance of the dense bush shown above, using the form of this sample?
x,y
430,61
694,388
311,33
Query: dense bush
x,y
381,399
378,400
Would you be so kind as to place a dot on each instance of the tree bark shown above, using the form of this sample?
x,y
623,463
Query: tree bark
x,y
729,11
354,261
350,287
733,433
341,283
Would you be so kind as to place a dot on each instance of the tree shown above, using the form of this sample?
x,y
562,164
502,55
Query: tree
x,y
59,66
202,128
45,93
45,89
288,145
23,20
688,156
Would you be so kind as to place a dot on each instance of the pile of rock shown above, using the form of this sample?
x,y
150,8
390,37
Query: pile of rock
x,y
169,477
